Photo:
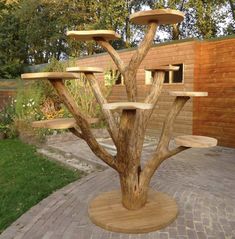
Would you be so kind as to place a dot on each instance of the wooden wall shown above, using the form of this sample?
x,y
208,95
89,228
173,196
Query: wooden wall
x,y
182,52
215,72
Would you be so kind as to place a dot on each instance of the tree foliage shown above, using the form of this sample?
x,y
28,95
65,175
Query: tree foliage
x,y
34,31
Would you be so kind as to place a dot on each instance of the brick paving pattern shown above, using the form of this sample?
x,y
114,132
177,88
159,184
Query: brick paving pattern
x,y
202,182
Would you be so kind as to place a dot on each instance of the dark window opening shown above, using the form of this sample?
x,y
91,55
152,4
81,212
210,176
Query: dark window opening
x,y
174,76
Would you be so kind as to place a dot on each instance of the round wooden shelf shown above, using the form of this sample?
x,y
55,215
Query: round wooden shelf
x,y
85,69
91,35
188,93
160,16
127,106
162,68
49,75
107,211
195,141
63,123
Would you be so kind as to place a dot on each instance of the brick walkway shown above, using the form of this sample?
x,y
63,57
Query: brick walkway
x,y
201,181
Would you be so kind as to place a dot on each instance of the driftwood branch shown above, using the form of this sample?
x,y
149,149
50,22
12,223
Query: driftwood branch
x,y
137,58
76,132
152,98
113,53
83,124
163,151
113,129
143,48
142,117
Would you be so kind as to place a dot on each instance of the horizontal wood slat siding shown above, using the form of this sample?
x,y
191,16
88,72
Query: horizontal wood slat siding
x,y
215,72
162,55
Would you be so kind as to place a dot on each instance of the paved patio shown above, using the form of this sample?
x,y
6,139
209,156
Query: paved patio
x,y
201,180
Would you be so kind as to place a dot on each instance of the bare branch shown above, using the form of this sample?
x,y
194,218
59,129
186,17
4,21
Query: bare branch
x,y
76,132
83,124
162,151
169,122
156,88
142,117
137,58
113,53
153,164
113,129
144,47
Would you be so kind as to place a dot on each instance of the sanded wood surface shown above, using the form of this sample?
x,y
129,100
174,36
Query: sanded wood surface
x,y
162,68
160,16
91,35
188,93
49,75
195,141
84,69
107,211
127,106
63,123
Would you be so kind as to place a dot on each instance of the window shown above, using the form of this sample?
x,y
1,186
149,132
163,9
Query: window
x,y
113,77
170,76
174,76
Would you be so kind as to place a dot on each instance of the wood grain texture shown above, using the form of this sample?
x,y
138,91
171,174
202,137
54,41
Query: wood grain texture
x,y
49,75
162,68
63,123
188,93
107,211
214,115
90,35
85,69
112,126
83,124
127,106
182,52
160,16
195,141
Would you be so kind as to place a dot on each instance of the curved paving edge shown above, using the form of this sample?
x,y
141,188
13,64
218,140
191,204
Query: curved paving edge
x,y
201,181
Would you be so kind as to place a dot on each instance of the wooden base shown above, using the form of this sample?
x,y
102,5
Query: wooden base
x,y
107,211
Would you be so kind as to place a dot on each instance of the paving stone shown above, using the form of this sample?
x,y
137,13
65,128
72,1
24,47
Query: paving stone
x,y
201,181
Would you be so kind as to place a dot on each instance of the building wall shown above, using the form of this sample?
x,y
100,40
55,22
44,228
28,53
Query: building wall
x,y
215,72
163,54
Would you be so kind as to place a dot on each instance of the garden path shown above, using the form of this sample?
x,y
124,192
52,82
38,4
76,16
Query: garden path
x,y
201,180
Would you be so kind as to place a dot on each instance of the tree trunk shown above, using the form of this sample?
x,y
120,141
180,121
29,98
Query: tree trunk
x,y
133,196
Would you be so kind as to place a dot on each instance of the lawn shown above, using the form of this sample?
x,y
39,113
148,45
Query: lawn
x,y
26,178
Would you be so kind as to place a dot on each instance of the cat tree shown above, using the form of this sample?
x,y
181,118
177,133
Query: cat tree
x,y
135,208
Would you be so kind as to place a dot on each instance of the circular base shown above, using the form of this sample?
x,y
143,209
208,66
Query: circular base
x,y
107,211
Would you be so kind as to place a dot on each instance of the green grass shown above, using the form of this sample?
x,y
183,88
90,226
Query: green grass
x,y
26,178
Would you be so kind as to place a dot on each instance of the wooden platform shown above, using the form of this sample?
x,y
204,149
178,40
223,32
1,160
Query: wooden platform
x,y
91,35
160,16
83,69
49,75
162,68
63,123
107,211
127,106
195,141
188,93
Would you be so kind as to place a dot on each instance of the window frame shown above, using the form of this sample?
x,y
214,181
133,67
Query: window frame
x,y
147,81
